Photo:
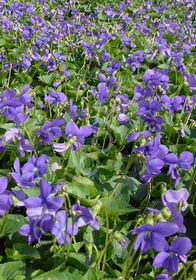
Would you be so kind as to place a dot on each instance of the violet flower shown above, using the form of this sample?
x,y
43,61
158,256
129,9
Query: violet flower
x,y
49,130
85,216
45,203
170,256
78,134
35,229
59,228
33,168
176,197
154,236
6,200
12,136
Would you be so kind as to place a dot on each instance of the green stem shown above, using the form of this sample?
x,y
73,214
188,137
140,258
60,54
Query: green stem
x,y
185,269
129,164
79,168
65,203
69,247
126,266
137,262
192,179
2,221
106,241
2,154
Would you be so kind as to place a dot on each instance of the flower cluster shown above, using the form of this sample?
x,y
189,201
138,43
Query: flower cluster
x,y
168,222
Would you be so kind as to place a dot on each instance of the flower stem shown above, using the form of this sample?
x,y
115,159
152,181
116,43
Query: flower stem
x,y
129,164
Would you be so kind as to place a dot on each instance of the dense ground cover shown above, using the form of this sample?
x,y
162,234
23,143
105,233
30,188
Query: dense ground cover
x,y
97,139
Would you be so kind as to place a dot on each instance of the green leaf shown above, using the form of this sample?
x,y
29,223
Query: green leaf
x,y
26,250
144,277
90,275
78,261
6,42
120,252
128,186
47,79
82,187
58,274
10,270
13,223
120,132
116,207
170,38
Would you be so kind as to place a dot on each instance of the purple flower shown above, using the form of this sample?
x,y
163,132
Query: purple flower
x,y
139,91
45,203
153,167
51,65
85,216
154,122
61,58
148,107
174,104
88,48
66,73
2,147
185,160
113,67
55,97
72,109
35,229
49,129
12,136
135,135
122,118
155,77
170,256
176,197
33,168
164,276
6,200
122,102
154,236
59,228
102,92
78,134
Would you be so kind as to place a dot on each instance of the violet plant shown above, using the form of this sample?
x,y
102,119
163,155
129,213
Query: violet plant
x,y
97,139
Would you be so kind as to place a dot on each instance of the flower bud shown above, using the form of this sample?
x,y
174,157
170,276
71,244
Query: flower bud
x,y
150,219
89,252
185,81
142,140
159,217
97,207
119,238
163,188
166,213
180,205
118,100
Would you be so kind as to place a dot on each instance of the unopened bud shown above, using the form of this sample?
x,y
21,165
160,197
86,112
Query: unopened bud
x,y
142,140
97,207
118,100
166,213
194,267
119,238
181,204
159,217
163,188
89,249
150,219
186,82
